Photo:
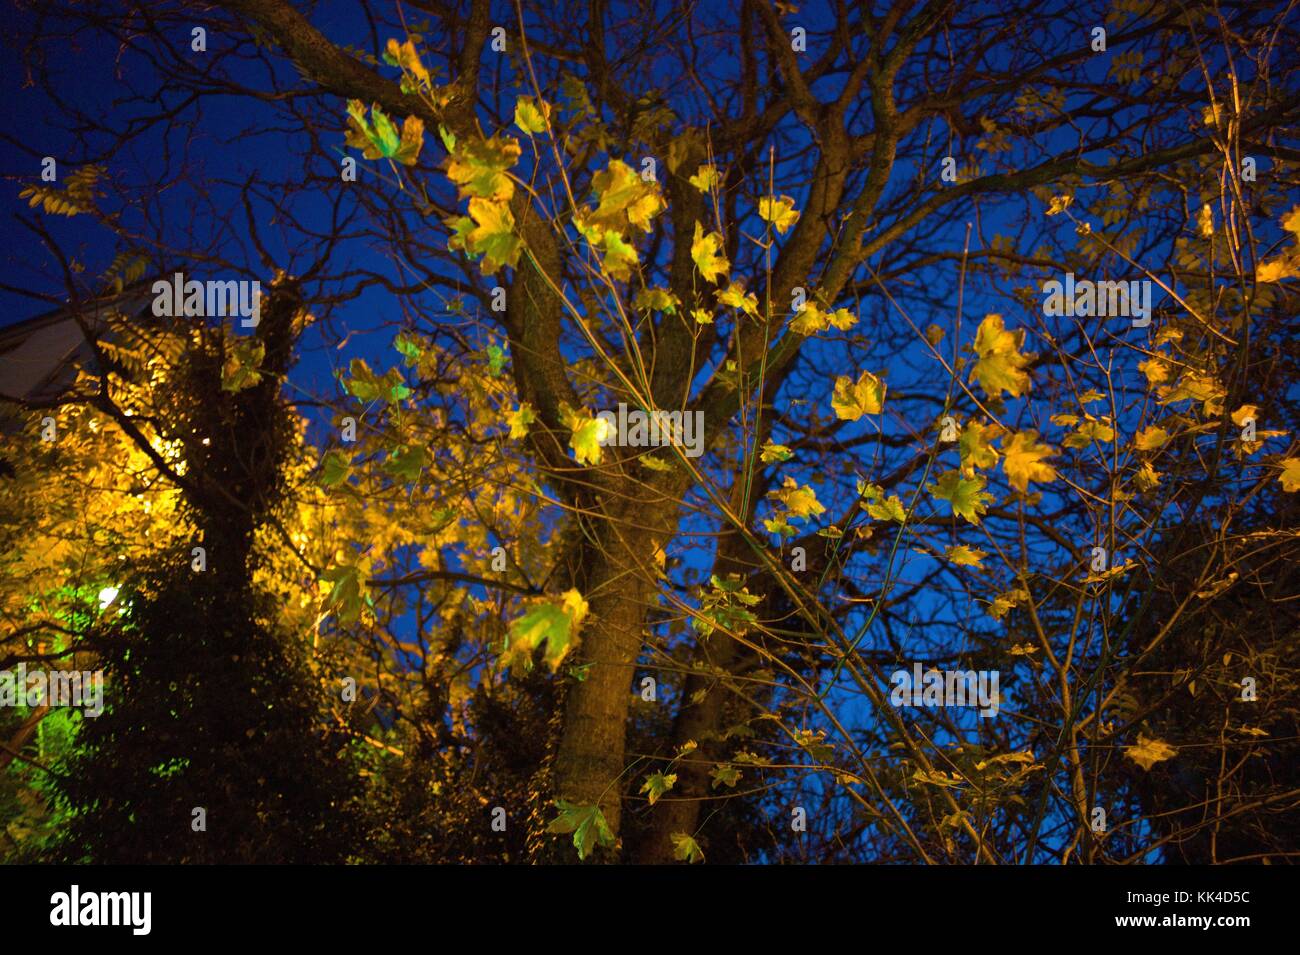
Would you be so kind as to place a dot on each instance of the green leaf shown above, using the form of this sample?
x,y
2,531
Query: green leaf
x,y
686,849
405,463
335,468
345,595
967,496
725,775
587,823
656,784
409,349
554,625
241,369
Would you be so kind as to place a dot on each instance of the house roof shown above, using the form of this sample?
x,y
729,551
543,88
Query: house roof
x,y
39,356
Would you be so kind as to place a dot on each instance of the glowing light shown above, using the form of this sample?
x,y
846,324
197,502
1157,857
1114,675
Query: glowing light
x,y
107,596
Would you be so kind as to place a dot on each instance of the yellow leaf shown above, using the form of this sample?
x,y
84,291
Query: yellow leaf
x,y
1290,476
800,501
1291,222
1157,369
625,199
1024,460
965,556
733,296
976,446
1149,439
967,497
1241,414
853,399
587,432
531,114
1147,752
1276,271
705,179
780,212
520,419
406,57
706,253
1001,365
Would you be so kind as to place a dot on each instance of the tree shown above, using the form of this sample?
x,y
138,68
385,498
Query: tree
x,y
972,319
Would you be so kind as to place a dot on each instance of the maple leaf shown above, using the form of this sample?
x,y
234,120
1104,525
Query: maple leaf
x,y
493,235
1023,460
1149,439
335,468
1003,603
705,179
705,253
531,114
976,446
405,463
656,299
587,431
1147,752
853,399
480,167
656,784
1243,414
1290,476
780,212
1157,369
724,775
1001,365
587,823
625,199
733,296
880,508
774,452
966,496
1089,431
800,501
520,419
686,849
619,256
962,555
404,55
555,625
809,320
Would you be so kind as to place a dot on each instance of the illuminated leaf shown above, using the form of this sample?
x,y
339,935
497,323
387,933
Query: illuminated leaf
x,y
966,496
555,626
587,823
800,501
853,399
1149,439
705,179
520,419
706,254
656,784
686,849
1147,752
962,555
780,212
1290,476
1023,460
1001,365
531,114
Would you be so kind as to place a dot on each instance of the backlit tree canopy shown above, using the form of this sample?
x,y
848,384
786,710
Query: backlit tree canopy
x,y
740,431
